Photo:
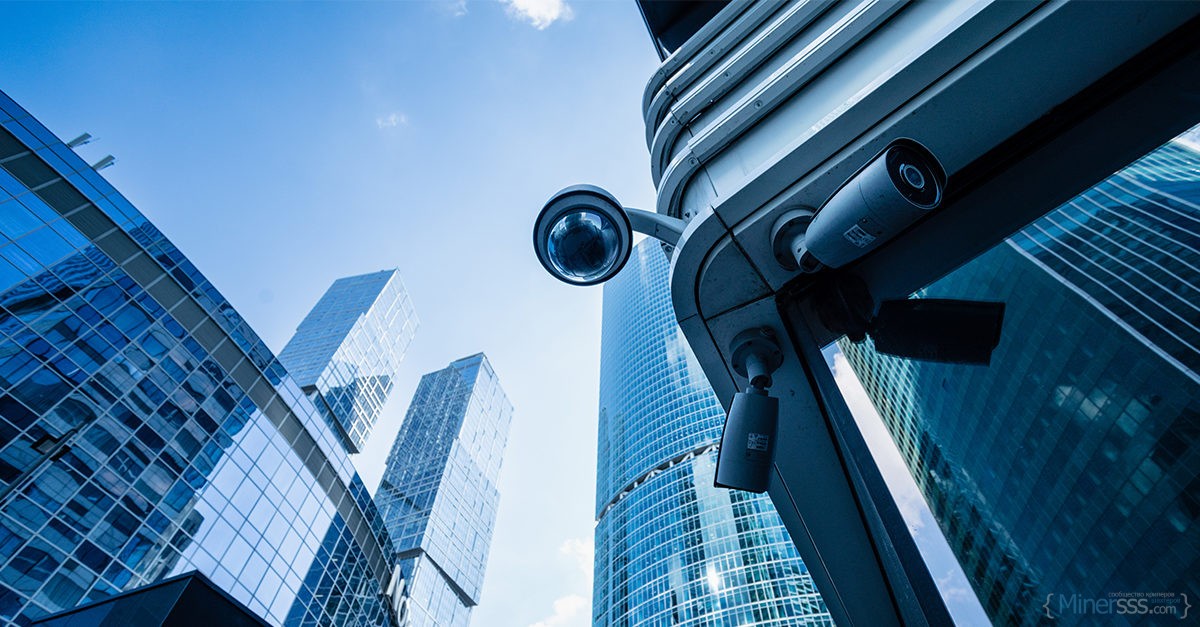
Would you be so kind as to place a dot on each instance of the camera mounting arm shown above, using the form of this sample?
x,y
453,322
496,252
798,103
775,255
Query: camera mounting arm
x,y
663,228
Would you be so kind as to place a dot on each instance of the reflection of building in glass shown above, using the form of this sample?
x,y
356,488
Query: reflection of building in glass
x,y
337,567
145,430
1069,466
438,496
670,548
347,350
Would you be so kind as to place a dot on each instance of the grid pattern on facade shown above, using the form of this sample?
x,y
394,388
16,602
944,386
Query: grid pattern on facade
x,y
129,451
673,549
430,597
347,350
693,554
647,353
438,495
1089,418
338,589
1132,243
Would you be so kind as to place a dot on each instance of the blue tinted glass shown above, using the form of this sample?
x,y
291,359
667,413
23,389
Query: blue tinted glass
x,y
20,259
39,207
671,548
41,390
140,489
16,220
9,274
1087,411
45,245
441,474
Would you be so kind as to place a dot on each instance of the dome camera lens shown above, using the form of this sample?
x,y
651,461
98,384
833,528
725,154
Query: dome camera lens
x,y
583,245
582,235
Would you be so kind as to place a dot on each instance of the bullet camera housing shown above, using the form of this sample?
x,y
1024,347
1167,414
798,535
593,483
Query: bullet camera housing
x,y
748,440
583,235
896,188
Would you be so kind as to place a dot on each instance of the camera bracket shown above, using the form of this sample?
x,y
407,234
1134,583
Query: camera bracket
x,y
755,354
787,237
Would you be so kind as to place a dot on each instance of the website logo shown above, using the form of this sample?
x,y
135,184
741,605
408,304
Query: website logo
x,y
1159,604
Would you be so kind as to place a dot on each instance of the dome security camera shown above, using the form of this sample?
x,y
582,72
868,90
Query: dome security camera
x,y
896,188
583,236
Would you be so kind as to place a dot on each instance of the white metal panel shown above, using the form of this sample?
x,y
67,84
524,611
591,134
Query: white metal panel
x,y
694,46
960,77
688,101
695,67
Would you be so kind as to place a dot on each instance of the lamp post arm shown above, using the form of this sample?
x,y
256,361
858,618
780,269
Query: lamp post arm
x,y
663,228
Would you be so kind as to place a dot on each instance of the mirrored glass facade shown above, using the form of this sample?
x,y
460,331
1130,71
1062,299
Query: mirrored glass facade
x,y
1069,468
438,495
347,350
145,429
671,549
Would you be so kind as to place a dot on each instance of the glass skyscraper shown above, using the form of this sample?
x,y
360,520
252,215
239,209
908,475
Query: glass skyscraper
x,y
671,549
347,350
438,495
145,429
1069,469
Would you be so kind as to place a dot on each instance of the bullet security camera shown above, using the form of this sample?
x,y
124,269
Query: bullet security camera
x,y
748,441
583,236
896,188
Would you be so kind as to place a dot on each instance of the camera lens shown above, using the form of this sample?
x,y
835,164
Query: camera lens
x,y
583,245
913,176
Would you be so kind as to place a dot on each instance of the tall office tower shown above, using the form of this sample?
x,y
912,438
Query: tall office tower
x,y
1089,413
145,430
348,348
671,549
438,495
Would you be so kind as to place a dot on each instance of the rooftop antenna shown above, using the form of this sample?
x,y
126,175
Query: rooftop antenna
x,y
104,163
85,138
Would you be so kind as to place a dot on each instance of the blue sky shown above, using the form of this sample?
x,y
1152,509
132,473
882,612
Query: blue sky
x,y
284,145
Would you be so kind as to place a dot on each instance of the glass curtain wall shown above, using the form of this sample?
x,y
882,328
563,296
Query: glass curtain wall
x,y
671,549
145,429
1067,473
438,494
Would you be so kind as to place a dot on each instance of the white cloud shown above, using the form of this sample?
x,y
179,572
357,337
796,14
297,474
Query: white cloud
x,y
582,553
954,586
458,8
883,448
539,13
573,610
391,120
566,612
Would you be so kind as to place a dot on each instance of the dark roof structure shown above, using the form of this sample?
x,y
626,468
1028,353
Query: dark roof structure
x,y
672,22
188,600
